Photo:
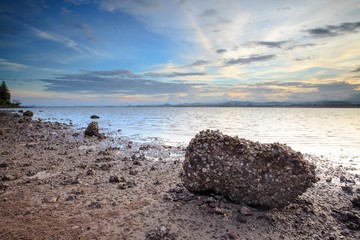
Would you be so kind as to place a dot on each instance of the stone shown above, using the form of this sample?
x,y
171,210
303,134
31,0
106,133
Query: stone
x,y
246,172
246,211
28,113
356,202
94,117
92,130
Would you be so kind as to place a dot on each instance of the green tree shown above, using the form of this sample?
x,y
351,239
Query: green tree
x,y
5,95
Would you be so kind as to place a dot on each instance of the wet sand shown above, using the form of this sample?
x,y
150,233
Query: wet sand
x,y
55,183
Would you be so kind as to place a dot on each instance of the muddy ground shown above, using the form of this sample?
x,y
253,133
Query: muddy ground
x,y
56,183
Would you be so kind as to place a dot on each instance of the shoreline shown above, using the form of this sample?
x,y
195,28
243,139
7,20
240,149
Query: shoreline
x,y
57,183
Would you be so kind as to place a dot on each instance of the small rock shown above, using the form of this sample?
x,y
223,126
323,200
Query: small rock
x,y
133,172
329,180
241,218
90,172
232,235
94,117
8,177
343,179
122,186
347,189
70,198
131,184
161,233
3,165
114,179
94,205
157,183
246,211
356,201
28,113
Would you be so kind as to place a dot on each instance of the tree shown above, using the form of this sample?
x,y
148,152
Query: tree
x,y
5,95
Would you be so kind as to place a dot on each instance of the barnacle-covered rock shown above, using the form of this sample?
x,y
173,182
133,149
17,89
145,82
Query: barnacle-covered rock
x,y
93,130
263,175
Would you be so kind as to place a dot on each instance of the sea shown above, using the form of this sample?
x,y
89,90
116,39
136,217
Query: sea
x,y
321,131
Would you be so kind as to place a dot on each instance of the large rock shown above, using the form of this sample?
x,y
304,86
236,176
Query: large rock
x,y
262,175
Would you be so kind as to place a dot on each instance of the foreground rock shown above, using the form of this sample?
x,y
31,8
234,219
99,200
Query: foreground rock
x,y
264,175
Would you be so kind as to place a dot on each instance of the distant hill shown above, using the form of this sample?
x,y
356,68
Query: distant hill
x,y
264,104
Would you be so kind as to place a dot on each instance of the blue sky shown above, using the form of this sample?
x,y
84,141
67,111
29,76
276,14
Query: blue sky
x,y
120,52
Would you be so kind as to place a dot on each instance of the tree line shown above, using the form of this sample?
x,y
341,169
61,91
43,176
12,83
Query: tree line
x,y
5,97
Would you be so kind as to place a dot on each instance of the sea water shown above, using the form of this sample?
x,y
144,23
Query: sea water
x,y
324,131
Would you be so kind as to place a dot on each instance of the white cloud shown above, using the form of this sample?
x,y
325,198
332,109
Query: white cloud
x,y
11,65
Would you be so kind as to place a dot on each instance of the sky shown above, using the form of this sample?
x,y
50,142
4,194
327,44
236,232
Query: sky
x,y
121,52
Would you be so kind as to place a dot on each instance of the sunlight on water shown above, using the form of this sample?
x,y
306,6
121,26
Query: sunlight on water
x,y
323,131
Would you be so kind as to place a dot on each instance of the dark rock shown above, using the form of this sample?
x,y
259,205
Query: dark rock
x,y
241,218
131,184
264,175
114,179
351,219
3,165
94,205
8,177
347,189
133,172
28,113
3,187
94,117
92,130
356,202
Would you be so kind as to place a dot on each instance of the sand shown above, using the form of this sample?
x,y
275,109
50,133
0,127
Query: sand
x,y
56,183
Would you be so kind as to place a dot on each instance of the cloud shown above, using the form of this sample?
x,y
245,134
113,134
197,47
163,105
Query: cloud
x,y
85,29
199,63
356,70
278,44
298,91
221,51
129,5
334,30
300,46
113,82
11,65
300,59
67,42
175,74
209,13
251,59
78,2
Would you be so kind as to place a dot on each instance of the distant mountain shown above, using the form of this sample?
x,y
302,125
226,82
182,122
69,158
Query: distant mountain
x,y
266,104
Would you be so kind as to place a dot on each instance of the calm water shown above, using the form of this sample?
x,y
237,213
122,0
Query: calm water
x,y
310,130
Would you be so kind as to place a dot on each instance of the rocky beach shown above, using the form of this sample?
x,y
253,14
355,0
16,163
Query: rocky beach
x,y
58,183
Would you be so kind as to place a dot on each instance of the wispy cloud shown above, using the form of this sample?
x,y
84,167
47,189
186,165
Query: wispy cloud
x,y
175,74
11,65
251,59
113,82
334,30
128,5
278,44
199,63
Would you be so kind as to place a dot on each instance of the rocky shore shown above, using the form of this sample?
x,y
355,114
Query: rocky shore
x,y
57,183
